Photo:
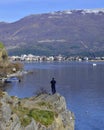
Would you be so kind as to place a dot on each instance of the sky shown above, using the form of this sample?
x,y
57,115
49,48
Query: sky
x,y
13,10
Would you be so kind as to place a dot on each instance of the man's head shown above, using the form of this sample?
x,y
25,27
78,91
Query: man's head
x,y
52,78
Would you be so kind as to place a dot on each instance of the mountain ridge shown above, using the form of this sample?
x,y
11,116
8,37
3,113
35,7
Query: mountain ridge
x,y
72,32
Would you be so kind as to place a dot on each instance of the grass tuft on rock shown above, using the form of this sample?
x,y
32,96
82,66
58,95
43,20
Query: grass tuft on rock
x,y
22,113
25,121
46,104
25,115
43,116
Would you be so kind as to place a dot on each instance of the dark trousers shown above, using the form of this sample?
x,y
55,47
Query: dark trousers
x,y
53,89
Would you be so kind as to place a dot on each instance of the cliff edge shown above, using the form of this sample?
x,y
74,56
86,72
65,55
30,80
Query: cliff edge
x,y
43,112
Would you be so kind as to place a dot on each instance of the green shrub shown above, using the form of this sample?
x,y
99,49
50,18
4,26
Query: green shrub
x,y
43,116
25,115
41,91
1,45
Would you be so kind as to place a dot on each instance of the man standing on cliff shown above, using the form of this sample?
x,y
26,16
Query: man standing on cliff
x,y
53,82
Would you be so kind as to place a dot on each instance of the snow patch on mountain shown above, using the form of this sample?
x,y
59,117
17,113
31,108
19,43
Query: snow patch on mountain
x,y
95,11
84,11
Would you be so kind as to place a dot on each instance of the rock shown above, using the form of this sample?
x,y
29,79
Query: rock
x,y
32,126
43,112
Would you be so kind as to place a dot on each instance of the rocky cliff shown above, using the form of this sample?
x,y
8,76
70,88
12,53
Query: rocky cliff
x,y
44,112
7,67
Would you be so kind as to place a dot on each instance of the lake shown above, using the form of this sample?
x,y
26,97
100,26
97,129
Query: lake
x,y
81,83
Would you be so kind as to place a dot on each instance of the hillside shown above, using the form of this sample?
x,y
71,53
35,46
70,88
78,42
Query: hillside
x,y
64,32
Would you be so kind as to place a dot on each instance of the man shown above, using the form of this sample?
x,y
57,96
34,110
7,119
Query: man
x,y
53,82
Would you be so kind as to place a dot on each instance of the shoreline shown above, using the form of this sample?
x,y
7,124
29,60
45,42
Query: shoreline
x,y
17,75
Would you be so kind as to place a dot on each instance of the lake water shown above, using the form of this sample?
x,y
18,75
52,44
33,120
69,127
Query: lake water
x,y
81,83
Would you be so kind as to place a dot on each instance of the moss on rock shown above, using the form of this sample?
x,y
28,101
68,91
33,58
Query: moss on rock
x,y
25,115
45,117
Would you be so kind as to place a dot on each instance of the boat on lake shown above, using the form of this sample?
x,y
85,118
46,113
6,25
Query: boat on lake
x,y
94,64
11,79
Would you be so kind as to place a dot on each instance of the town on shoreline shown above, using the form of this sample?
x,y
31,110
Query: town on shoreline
x,y
31,57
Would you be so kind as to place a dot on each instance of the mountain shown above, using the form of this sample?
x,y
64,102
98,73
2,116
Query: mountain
x,y
73,32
